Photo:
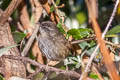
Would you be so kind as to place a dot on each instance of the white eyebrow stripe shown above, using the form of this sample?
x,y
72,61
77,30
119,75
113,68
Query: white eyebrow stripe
x,y
49,28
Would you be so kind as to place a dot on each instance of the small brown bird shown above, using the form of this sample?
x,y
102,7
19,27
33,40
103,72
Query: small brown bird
x,y
52,43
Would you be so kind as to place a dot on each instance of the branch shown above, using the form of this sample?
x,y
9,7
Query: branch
x,y
44,67
82,40
36,72
91,38
6,14
30,41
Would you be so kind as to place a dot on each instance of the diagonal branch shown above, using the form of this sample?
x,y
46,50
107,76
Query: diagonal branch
x,y
30,41
6,14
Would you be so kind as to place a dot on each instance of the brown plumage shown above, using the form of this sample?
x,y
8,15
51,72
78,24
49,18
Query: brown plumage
x,y
52,43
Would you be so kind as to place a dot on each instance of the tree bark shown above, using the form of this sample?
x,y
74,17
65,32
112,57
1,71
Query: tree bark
x,y
9,67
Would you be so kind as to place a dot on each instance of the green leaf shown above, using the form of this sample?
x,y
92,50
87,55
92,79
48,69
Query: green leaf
x,y
75,33
79,33
57,2
83,45
59,25
114,30
94,76
92,43
18,36
63,67
84,32
4,50
52,8
111,35
90,47
90,50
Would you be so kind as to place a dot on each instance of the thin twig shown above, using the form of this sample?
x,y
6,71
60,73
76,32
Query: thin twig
x,y
111,19
103,35
44,67
112,44
88,39
82,40
30,41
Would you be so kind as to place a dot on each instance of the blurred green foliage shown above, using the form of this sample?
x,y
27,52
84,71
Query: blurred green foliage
x,y
52,8
4,4
57,2
81,17
1,78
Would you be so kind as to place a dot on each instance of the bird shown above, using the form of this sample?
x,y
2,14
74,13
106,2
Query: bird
x,y
52,43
